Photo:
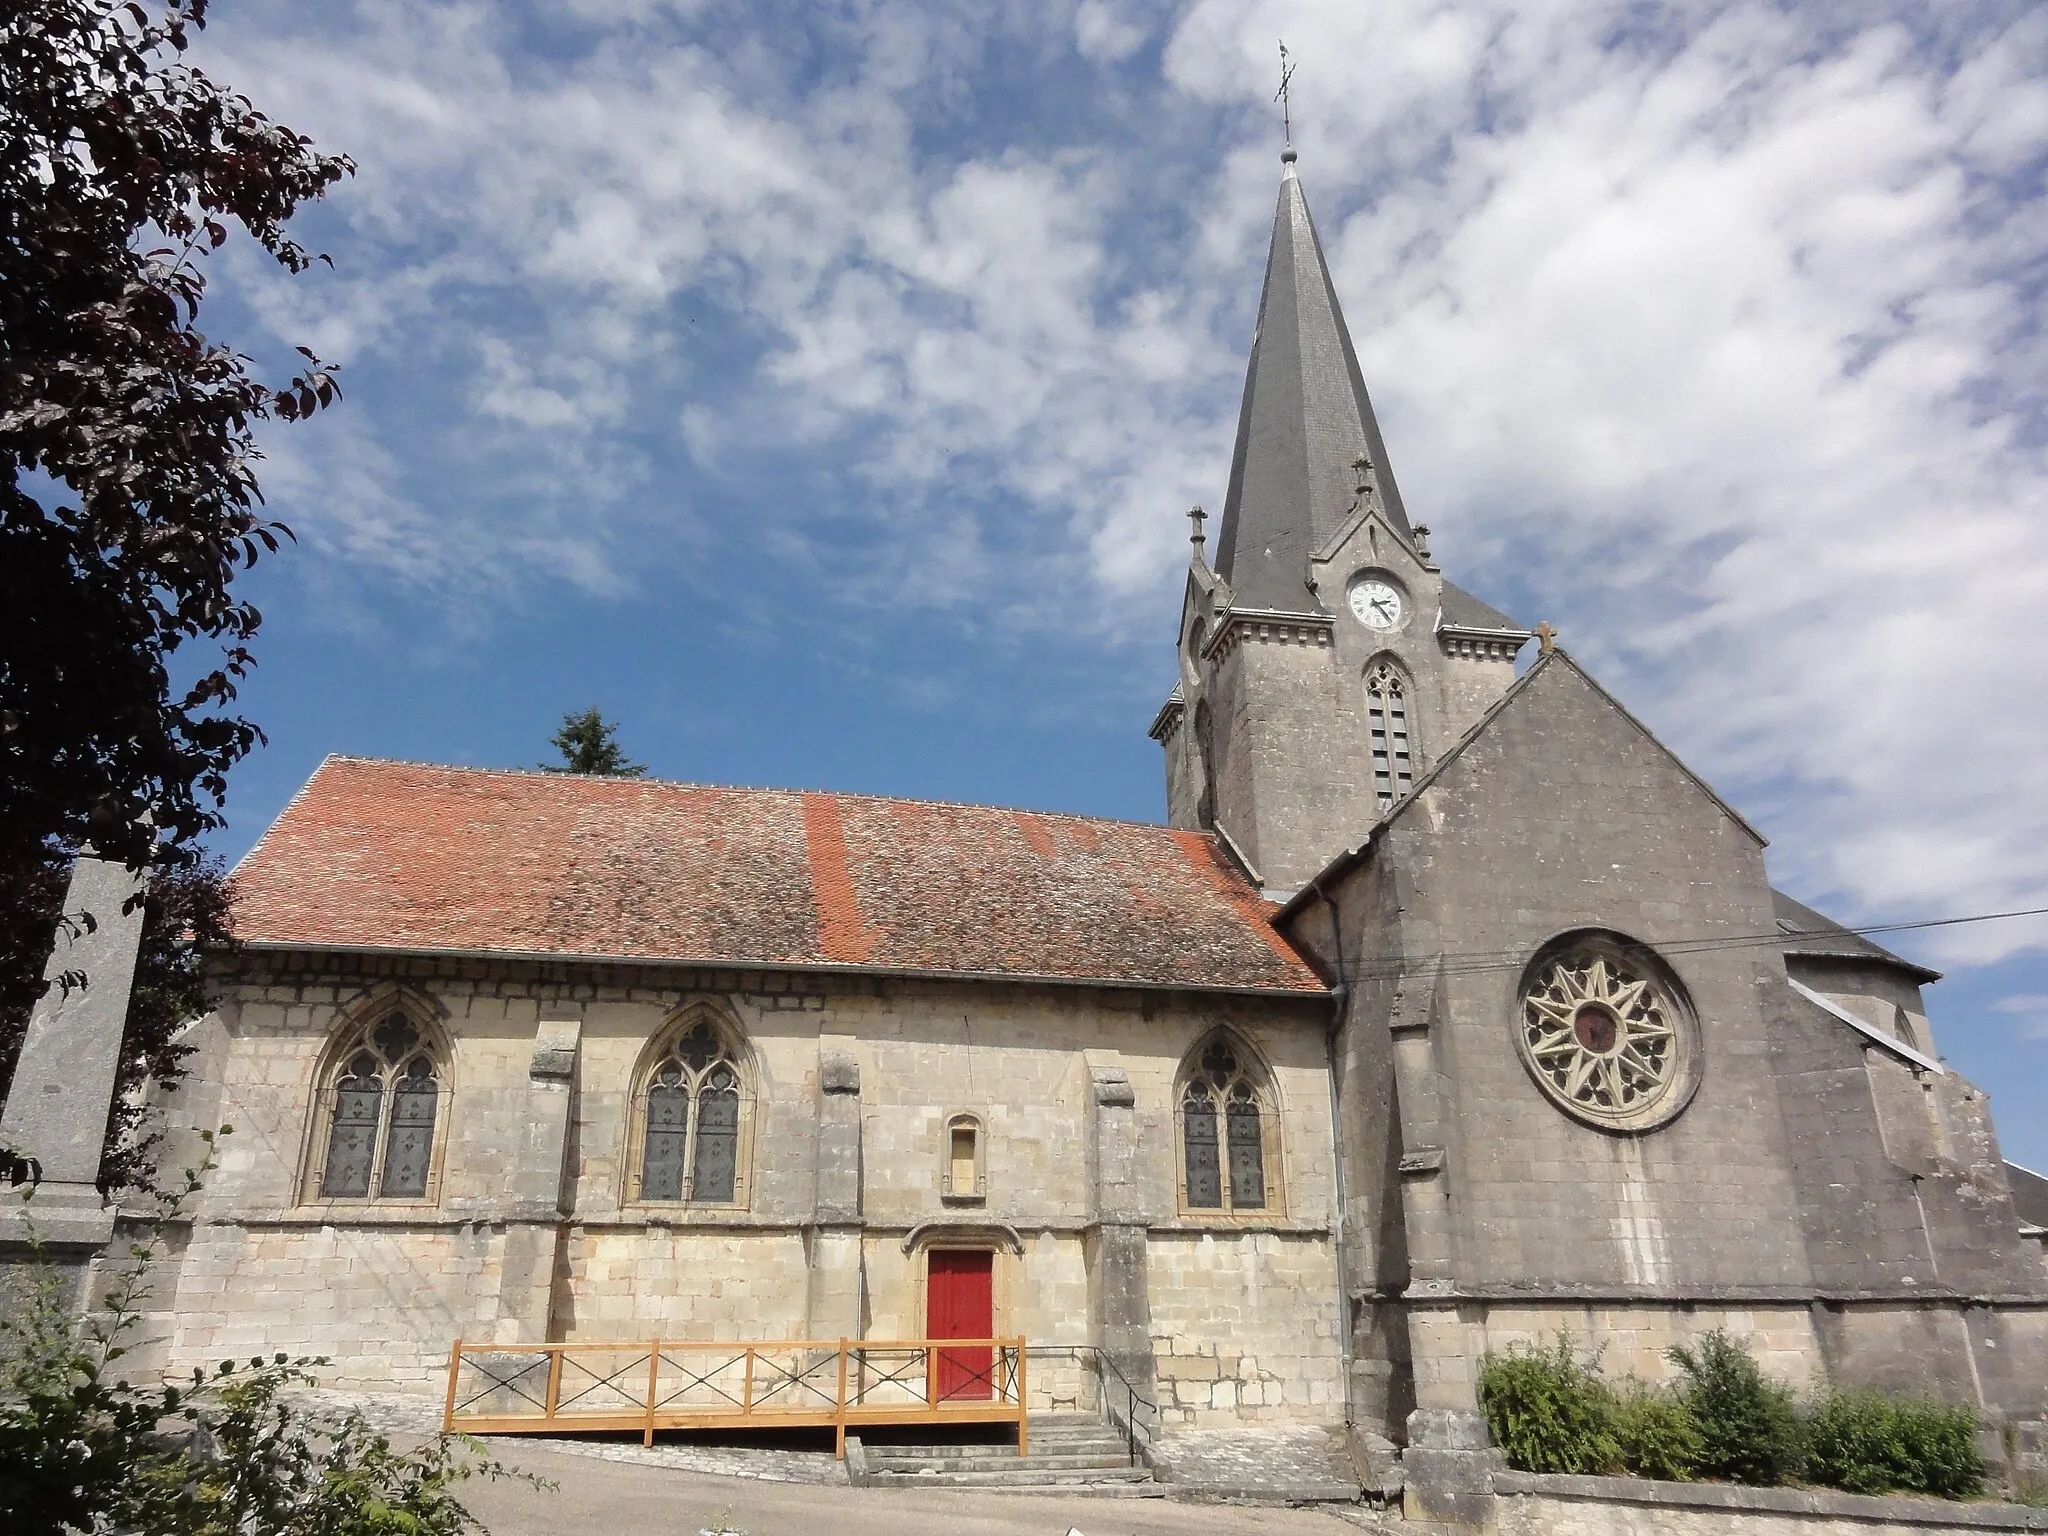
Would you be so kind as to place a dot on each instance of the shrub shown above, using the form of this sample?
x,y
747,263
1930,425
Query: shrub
x,y
1747,1428
225,1454
1548,1410
1865,1443
1852,1443
1656,1433
1940,1443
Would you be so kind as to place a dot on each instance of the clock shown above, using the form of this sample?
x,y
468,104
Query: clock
x,y
1376,604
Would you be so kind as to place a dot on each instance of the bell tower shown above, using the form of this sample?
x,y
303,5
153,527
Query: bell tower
x,y
1324,658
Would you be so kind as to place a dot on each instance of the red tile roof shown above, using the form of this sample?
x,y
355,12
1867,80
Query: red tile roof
x,y
378,855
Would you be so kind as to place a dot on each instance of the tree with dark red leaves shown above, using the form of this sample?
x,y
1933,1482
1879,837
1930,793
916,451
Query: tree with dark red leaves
x,y
128,496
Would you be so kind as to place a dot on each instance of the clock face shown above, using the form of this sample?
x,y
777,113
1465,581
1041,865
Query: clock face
x,y
1376,604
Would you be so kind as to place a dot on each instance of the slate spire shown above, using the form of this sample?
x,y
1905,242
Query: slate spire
x,y
1305,418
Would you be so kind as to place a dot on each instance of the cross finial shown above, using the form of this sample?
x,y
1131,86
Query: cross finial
x,y
1196,516
1286,100
1362,467
1546,636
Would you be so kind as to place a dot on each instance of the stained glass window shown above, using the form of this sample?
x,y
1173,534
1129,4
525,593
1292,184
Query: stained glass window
x,y
1223,1132
1247,1152
718,1138
693,1122
1205,1180
384,1102
409,1145
668,1136
352,1143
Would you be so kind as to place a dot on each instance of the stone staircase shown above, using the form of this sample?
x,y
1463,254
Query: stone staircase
x,y
1068,1451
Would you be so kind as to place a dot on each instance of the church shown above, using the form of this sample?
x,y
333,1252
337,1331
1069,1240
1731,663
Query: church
x,y
1447,1010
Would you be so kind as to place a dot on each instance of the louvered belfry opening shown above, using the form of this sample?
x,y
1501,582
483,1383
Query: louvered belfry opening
x,y
1386,714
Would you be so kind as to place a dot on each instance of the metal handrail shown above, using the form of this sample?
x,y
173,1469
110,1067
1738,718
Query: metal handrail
x,y
1101,1359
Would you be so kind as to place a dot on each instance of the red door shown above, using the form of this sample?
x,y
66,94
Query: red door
x,y
960,1304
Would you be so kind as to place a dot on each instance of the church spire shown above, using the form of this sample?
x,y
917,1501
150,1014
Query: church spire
x,y
1305,420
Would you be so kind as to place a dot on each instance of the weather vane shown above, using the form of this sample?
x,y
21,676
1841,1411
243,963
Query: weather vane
x,y
1282,96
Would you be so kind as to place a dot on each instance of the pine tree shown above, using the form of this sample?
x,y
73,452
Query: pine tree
x,y
588,745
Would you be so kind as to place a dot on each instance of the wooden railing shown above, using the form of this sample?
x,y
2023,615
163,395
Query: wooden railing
x,y
534,1389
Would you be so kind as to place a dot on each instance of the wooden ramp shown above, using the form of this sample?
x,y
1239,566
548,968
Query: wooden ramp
x,y
553,1389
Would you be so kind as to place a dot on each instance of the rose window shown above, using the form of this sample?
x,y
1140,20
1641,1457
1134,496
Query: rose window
x,y
1605,1038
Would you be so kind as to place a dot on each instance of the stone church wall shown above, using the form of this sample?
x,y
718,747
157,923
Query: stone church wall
x,y
382,1303
1702,1206
1631,1338
512,1247
1846,1218
1539,1505
1285,773
1245,1329
646,1282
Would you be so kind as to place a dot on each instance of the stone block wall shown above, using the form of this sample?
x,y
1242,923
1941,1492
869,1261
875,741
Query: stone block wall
x,y
502,1254
384,1303
1607,828
1245,1328
1630,1338
683,1283
1533,1505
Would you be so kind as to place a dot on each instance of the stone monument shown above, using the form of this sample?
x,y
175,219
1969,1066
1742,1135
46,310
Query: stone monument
x,y
56,1111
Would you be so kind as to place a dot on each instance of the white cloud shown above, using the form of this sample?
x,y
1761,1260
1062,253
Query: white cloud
x,y
2031,1008
1714,343
1102,33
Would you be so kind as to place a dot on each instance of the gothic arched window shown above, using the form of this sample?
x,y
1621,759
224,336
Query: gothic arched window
x,y
1386,717
381,1107
693,1120
1227,1131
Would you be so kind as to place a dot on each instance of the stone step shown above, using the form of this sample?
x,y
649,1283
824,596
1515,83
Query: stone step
x,y
1021,1478
919,1466
1099,1442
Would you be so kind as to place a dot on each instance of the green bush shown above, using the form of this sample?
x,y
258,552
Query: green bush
x,y
1656,1433
1852,1443
225,1454
1748,1430
1941,1450
1548,1410
1865,1443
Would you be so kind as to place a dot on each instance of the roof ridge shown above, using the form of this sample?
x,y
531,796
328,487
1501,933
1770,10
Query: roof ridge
x,y
549,774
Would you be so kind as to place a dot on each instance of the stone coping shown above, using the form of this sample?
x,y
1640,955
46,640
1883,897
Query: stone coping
x,y
435,1218
1823,1503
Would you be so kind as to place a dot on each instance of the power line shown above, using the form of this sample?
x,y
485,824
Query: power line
x,y
1476,962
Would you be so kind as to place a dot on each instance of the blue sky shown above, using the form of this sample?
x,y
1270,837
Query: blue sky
x,y
817,389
